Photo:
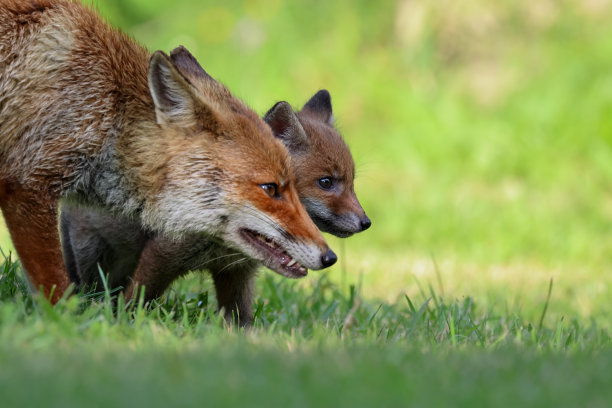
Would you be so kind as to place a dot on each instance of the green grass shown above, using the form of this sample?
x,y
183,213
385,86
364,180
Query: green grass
x,y
483,142
312,345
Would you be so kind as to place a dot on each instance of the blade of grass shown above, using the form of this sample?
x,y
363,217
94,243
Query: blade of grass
x,y
550,286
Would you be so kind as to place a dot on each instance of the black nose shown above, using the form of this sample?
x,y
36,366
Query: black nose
x,y
328,258
365,223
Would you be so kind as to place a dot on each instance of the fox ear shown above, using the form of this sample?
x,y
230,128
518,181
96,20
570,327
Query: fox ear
x,y
187,64
286,126
176,101
320,104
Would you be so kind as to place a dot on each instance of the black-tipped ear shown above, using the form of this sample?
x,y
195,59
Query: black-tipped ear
x,y
320,104
185,62
176,102
286,126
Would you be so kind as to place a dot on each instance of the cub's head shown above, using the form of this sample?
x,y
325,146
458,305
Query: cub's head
x,y
223,173
322,163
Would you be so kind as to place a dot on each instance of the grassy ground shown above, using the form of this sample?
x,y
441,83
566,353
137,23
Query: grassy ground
x,y
483,140
312,345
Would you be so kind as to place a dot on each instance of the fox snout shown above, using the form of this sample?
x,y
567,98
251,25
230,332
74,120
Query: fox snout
x,y
351,220
311,251
328,258
365,222
344,225
282,252
274,228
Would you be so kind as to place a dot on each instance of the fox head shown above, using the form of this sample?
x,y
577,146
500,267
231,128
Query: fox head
x,y
323,165
216,167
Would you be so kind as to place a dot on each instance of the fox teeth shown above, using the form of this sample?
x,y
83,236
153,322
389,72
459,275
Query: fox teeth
x,y
291,263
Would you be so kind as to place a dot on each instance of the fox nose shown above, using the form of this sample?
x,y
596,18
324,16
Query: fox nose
x,y
365,223
328,258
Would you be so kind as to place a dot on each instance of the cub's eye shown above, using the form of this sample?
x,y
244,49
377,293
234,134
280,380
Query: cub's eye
x,y
325,183
271,189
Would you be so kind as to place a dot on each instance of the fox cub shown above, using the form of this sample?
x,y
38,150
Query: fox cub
x,y
131,255
90,117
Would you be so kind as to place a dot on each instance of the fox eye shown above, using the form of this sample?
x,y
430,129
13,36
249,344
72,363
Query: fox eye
x,y
271,189
325,183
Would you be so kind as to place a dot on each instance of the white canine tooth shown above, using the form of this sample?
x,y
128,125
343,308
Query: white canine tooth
x,y
291,263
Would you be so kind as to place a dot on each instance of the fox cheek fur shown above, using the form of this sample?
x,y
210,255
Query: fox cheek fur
x,y
319,152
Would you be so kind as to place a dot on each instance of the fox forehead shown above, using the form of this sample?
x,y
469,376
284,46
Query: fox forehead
x,y
248,153
327,153
258,166
240,142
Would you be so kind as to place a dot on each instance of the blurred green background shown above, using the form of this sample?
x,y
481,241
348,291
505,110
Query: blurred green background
x,y
482,131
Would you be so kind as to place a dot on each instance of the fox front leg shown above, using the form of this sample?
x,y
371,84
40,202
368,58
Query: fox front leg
x,y
157,268
234,287
31,217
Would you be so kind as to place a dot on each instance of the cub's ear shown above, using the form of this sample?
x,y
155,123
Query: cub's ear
x,y
286,126
187,64
177,102
320,105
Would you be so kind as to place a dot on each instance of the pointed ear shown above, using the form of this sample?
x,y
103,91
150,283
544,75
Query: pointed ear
x,y
286,126
187,64
320,104
177,103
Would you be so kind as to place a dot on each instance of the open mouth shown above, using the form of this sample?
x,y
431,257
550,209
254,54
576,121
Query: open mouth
x,y
274,256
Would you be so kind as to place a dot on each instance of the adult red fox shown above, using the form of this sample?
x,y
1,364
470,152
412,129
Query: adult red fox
x,y
89,116
325,171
